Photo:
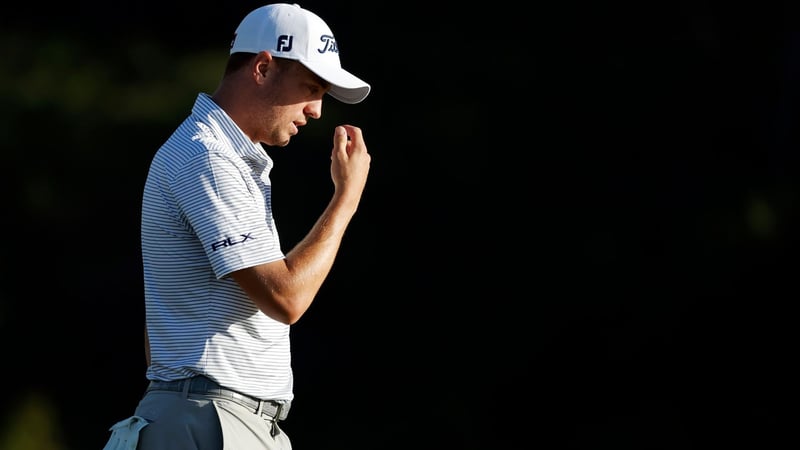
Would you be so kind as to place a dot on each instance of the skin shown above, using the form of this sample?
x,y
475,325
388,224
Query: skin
x,y
270,99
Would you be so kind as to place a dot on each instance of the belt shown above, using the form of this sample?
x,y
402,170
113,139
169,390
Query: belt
x,y
201,385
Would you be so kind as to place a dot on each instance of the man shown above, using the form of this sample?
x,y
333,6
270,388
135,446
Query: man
x,y
220,293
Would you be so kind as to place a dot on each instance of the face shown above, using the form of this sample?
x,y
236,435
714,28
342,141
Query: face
x,y
288,97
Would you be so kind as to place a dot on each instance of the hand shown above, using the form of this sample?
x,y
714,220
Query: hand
x,y
350,163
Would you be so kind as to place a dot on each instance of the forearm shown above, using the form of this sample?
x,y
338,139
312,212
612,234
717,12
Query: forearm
x,y
310,261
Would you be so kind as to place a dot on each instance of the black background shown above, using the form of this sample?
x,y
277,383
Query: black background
x,y
578,232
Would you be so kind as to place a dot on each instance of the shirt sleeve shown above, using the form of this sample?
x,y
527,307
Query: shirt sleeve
x,y
228,205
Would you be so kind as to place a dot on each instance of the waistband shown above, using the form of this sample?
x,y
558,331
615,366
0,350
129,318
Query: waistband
x,y
201,385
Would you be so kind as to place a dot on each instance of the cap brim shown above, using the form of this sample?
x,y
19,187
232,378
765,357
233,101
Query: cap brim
x,y
345,86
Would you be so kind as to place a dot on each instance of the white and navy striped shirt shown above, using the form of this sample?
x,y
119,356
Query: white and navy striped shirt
x,y
206,212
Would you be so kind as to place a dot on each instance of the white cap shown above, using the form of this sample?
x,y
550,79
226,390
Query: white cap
x,y
289,31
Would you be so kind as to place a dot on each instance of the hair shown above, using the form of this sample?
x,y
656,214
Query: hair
x,y
236,61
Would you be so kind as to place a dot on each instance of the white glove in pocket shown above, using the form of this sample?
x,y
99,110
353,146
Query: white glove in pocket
x,y
125,434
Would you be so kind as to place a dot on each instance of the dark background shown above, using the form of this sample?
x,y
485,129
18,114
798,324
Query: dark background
x,y
578,232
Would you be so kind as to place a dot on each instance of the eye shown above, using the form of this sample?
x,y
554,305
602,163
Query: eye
x,y
316,90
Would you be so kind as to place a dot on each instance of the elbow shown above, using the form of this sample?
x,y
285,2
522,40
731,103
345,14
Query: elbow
x,y
294,310
285,310
286,316
292,319
275,296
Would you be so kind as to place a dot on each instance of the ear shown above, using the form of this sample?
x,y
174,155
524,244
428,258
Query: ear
x,y
261,64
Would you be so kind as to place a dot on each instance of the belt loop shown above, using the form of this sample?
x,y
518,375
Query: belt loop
x,y
187,383
260,407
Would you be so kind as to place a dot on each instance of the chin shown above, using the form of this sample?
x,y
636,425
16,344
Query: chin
x,y
279,140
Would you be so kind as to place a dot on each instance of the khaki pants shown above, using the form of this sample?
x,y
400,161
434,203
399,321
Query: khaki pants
x,y
167,420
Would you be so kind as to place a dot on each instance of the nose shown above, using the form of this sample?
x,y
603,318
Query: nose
x,y
313,109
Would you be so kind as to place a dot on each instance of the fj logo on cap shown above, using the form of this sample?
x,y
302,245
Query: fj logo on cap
x,y
328,44
285,43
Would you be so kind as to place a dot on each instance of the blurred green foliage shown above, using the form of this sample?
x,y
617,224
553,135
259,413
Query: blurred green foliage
x,y
33,425
138,81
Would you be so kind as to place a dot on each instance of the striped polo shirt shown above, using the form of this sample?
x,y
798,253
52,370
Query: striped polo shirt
x,y
206,212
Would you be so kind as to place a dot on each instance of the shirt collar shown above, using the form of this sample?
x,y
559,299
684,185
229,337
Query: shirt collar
x,y
209,112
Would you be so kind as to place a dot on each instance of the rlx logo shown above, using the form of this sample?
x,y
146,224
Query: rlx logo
x,y
229,242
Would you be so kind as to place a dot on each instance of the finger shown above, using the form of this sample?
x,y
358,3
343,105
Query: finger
x,y
355,139
353,133
339,140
